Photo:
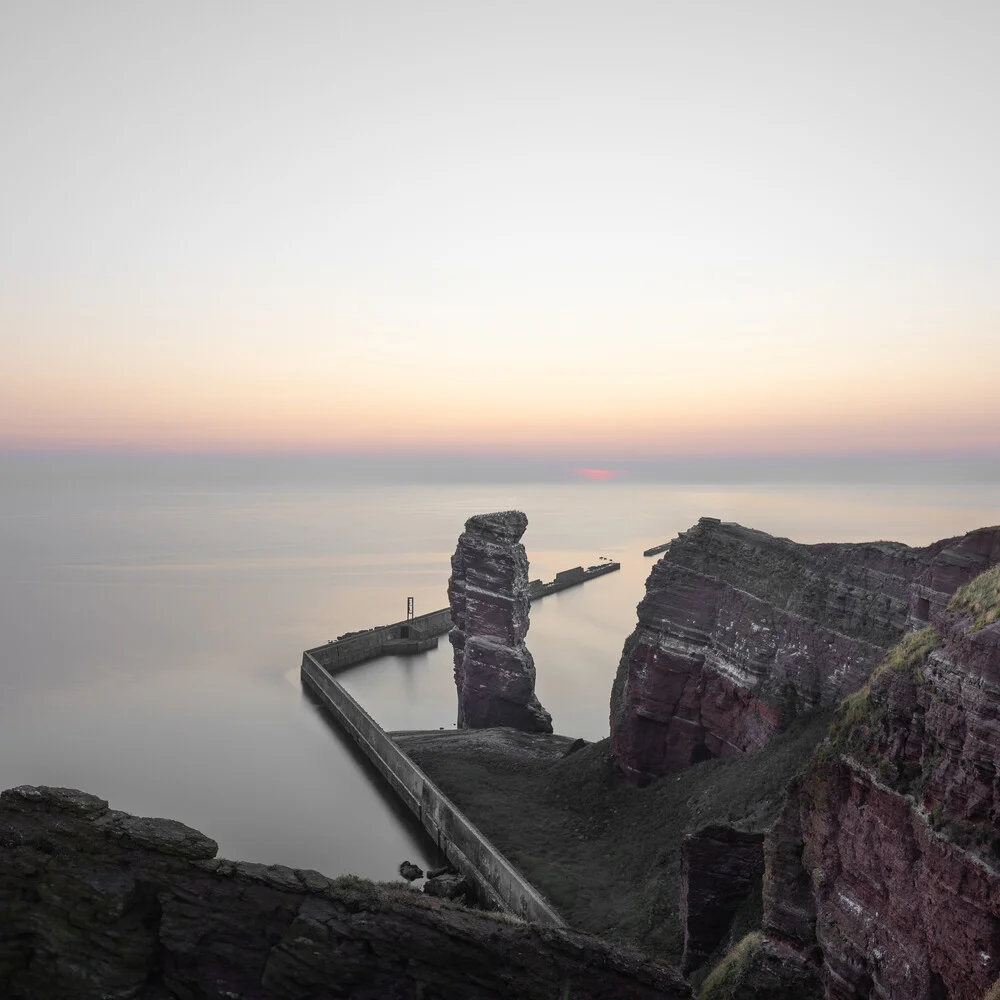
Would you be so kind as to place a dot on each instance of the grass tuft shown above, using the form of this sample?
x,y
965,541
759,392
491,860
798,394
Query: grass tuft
x,y
858,715
909,655
980,598
727,977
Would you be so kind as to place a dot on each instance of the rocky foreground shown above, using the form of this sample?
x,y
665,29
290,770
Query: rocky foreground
x,y
97,904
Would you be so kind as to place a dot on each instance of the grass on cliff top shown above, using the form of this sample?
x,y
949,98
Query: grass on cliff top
x,y
857,715
727,977
980,598
606,854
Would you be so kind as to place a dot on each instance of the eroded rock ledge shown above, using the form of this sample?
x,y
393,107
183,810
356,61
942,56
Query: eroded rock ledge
x,y
740,631
100,904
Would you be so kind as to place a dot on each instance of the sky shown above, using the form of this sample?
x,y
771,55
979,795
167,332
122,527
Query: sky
x,y
595,231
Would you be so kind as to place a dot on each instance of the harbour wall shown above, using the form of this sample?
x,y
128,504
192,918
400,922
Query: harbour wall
x,y
415,635
496,879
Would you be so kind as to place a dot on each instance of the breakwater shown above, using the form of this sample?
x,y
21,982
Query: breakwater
x,y
656,549
497,881
415,635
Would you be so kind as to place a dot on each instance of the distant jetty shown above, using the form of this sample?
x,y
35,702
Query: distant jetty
x,y
656,549
416,635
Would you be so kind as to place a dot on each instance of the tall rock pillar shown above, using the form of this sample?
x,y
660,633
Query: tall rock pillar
x,y
488,595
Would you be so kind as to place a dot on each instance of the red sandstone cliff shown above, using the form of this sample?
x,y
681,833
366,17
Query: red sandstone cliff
x,y
740,631
488,594
883,872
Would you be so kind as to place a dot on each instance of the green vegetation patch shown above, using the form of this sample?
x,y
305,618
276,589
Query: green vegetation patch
x,y
909,656
734,970
859,718
751,971
980,598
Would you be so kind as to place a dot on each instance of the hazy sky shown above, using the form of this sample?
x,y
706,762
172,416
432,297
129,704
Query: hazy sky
x,y
543,228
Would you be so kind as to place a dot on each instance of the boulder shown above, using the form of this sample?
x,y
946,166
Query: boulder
x,y
447,886
410,871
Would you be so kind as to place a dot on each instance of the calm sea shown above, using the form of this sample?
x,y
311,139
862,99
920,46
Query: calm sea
x,y
153,614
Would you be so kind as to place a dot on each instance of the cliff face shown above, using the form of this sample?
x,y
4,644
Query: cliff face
x,y
489,598
99,904
884,868
740,631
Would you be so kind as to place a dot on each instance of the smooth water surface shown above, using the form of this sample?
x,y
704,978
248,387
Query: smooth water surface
x,y
153,616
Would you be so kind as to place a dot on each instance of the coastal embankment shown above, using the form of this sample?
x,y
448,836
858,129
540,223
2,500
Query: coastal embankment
x,y
498,882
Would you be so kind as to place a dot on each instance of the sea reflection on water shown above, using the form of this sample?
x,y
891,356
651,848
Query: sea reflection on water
x,y
152,629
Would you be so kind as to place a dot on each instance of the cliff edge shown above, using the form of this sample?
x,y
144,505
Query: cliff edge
x,y
100,904
739,632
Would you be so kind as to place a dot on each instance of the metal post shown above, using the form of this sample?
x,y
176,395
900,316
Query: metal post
x,y
409,608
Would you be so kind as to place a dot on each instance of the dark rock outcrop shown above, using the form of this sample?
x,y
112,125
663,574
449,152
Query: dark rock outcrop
x,y
760,968
446,869
448,886
719,867
884,868
489,598
740,631
410,871
99,904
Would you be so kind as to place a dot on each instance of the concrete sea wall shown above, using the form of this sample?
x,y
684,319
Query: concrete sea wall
x,y
457,838
406,637
415,635
497,880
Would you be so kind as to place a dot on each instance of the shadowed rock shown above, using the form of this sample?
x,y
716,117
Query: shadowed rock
x,y
97,904
410,871
447,886
488,594
719,866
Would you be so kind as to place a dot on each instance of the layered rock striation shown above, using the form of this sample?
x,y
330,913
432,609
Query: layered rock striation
x,y
99,904
739,632
884,868
488,594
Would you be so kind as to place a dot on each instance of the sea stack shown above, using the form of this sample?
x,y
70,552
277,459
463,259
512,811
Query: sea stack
x,y
488,596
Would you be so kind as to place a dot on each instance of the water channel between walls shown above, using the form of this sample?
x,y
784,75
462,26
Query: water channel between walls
x,y
498,882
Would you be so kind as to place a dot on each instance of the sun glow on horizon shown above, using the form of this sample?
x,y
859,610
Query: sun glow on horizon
x,y
599,475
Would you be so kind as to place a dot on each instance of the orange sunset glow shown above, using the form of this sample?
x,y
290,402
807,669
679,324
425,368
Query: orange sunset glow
x,y
390,242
